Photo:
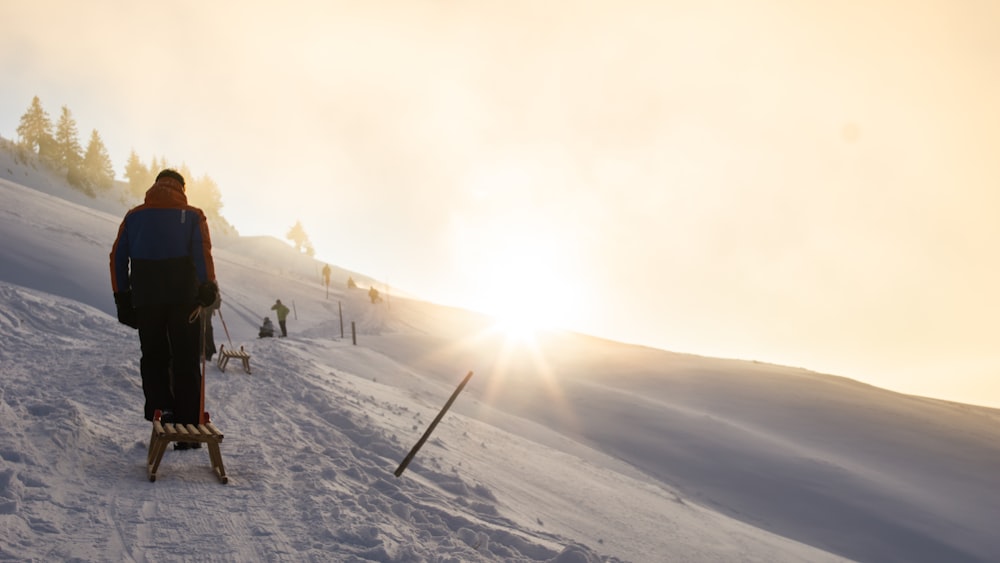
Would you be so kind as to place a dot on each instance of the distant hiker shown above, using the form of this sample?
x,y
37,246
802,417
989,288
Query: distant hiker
x,y
282,313
266,329
161,272
350,283
373,294
326,275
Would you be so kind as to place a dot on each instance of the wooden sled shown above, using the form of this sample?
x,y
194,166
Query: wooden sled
x,y
166,432
225,355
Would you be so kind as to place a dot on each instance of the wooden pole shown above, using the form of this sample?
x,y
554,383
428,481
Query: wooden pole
x,y
202,415
340,309
354,335
427,433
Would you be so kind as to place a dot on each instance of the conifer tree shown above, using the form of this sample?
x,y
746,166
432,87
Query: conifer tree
x,y
35,128
68,155
186,172
98,171
298,235
155,167
138,176
204,193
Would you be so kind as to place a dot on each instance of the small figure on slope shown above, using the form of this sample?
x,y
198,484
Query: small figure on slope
x,y
266,329
282,313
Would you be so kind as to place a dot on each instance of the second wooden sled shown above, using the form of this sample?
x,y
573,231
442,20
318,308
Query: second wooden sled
x,y
166,432
225,354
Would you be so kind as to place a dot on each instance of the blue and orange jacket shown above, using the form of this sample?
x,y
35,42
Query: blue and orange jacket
x,y
163,251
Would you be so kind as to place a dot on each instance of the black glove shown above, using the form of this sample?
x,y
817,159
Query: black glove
x,y
126,312
208,294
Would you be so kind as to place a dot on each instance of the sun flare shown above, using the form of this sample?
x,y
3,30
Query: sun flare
x,y
518,264
525,298
521,326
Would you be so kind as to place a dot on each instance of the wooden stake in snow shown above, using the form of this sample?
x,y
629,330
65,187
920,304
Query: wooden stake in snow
x,y
427,433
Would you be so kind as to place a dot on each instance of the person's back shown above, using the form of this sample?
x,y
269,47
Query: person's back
x,y
161,271
163,251
280,309
282,312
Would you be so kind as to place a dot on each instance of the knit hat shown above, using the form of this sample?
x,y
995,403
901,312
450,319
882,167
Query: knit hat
x,y
170,173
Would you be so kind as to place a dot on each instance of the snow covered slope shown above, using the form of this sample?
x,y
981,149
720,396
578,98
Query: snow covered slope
x,y
567,449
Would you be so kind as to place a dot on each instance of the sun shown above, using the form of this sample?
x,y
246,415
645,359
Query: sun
x,y
520,318
522,287
516,260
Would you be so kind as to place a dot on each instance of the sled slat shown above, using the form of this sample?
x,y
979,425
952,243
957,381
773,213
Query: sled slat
x,y
215,430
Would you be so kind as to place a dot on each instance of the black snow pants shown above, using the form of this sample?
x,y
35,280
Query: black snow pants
x,y
171,350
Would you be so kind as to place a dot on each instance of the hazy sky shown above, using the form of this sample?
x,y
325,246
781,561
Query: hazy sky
x,y
807,183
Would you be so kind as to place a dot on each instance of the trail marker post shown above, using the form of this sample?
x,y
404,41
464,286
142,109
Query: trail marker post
x,y
427,433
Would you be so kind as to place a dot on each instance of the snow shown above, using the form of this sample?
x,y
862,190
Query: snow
x,y
570,449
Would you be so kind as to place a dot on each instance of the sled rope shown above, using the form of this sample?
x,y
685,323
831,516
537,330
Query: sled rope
x,y
202,415
225,328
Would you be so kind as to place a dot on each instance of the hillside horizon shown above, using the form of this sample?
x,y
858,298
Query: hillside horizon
x,y
673,455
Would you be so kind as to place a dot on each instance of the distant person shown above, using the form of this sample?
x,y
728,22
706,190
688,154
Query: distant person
x,y
326,275
282,313
373,294
266,329
161,273
350,283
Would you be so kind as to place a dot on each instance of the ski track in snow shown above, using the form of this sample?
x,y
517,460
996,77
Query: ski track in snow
x,y
311,482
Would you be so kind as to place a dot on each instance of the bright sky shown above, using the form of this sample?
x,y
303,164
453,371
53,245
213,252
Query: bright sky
x,y
806,183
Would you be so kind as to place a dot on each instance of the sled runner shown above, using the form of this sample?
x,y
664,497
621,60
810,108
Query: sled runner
x,y
225,354
166,432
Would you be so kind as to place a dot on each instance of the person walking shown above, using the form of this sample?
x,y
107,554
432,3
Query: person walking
x,y
282,312
162,273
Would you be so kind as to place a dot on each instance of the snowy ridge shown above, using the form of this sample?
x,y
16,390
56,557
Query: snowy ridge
x,y
569,448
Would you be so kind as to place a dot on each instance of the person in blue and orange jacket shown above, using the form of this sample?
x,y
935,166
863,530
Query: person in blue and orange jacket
x,y
161,272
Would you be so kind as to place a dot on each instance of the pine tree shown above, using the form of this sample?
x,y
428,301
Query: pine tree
x,y
68,155
35,129
48,151
139,177
188,176
98,171
298,235
155,167
204,193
